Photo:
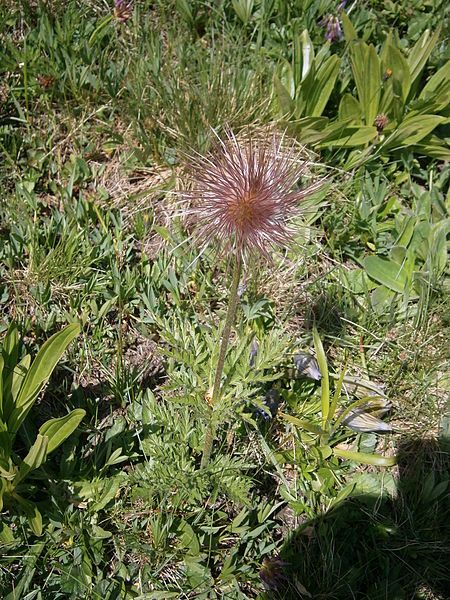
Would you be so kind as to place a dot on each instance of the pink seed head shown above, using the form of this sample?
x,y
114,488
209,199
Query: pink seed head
x,y
244,192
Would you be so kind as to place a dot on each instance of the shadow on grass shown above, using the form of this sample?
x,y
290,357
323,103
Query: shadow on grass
x,y
378,549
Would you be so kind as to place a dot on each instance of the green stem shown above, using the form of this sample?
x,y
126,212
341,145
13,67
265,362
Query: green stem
x,y
231,313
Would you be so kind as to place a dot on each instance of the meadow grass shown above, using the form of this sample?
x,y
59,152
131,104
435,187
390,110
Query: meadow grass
x,y
98,116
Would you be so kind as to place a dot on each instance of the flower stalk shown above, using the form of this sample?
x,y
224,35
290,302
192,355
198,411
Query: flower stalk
x,y
242,197
229,320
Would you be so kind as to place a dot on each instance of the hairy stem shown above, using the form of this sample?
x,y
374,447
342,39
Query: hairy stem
x,y
231,313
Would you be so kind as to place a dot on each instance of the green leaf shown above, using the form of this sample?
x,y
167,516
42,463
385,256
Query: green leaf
x,y
10,346
307,55
30,510
243,9
302,423
310,129
3,488
342,136
367,73
285,102
412,130
420,52
325,381
400,79
365,458
349,109
39,372
386,272
381,299
376,484
58,430
188,538
13,385
6,535
337,393
35,457
434,147
437,90
110,489
347,26
323,86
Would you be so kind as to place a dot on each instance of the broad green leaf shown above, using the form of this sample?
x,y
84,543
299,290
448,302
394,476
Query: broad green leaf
x,y
13,385
32,513
323,86
347,26
406,232
398,254
10,346
307,55
389,41
420,52
367,74
342,495
435,96
99,31
188,538
350,109
100,533
39,372
381,299
365,458
58,430
243,9
115,458
285,102
325,381
35,457
440,81
356,281
434,147
6,535
412,130
386,272
310,130
348,136
439,252
400,79
375,484
110,488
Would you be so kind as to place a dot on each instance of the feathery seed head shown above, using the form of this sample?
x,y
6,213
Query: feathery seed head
x,y
244,193
123,10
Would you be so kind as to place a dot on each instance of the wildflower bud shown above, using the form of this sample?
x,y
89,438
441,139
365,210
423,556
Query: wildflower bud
x,y
333,29
380,122
307,366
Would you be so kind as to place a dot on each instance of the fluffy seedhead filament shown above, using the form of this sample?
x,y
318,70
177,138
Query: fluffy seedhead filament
x,y
245,191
